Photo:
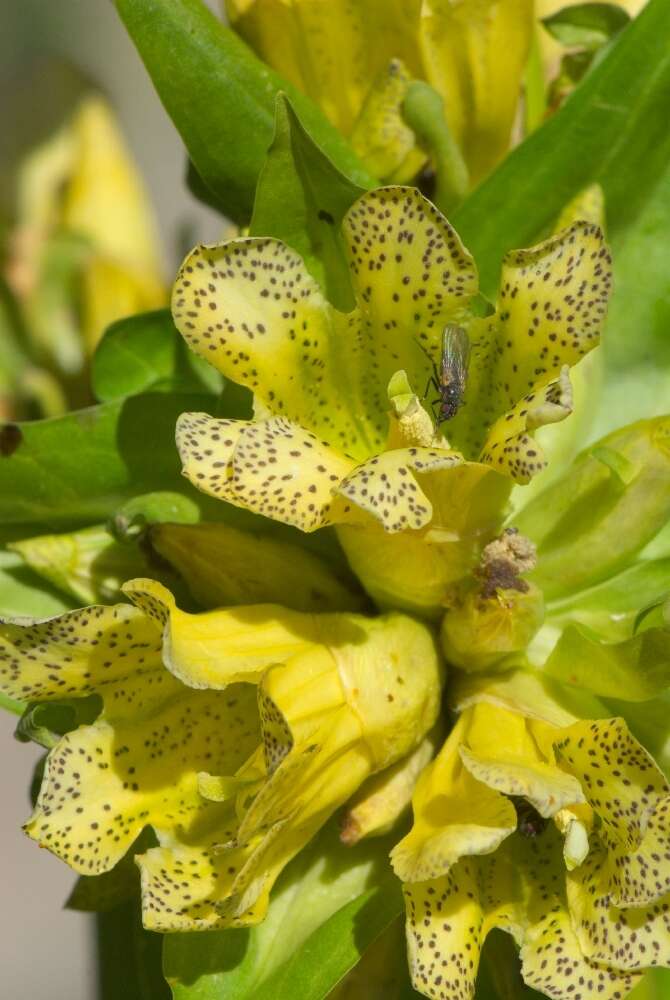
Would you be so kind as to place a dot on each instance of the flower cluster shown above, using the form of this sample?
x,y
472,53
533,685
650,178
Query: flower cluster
x,y
237,731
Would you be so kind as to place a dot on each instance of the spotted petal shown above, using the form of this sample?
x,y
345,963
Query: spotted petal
x,y
274,467
551,958
448,920
454,816
216,648
627,790
76,654
105,782
628,939
385,487
510,447
551,308
250,307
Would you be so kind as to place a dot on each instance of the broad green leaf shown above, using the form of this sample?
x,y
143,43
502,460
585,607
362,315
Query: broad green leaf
x,y
591,523
611,608
654,986
146,352
329,906
301,199
221,98
636,669
78,469
588,25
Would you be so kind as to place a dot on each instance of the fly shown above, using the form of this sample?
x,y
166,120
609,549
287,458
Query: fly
x,y
529,822
449,380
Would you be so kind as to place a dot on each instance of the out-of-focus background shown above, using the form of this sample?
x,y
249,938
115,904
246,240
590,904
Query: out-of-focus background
x,y
46,49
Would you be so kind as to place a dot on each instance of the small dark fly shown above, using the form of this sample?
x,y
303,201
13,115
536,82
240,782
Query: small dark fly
x,y
529,822
449,380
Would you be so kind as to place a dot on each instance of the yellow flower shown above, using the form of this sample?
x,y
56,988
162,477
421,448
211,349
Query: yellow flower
x,y
343,56
546,826
323,448
83,218
263,724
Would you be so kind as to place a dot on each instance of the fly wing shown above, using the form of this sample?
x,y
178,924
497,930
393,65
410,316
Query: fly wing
x,y
455,354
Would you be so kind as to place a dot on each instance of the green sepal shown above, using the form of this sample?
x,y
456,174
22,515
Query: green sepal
x,y
301,199
88,565
132,519
587,25
45,722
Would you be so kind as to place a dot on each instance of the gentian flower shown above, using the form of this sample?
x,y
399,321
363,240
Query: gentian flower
x,y
324,448
263,724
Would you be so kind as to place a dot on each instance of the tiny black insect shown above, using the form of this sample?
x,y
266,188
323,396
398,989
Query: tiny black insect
x,y
450,379
529,822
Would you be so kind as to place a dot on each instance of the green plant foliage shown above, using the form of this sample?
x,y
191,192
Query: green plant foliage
x,y
611,130
301,199
329,906
146,353
587,25
78,469
221,98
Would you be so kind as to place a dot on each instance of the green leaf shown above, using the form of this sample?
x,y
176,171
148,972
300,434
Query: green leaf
x,y
221,98
612,608
301,199
587,25
591,523
329,906
146,352
613,130
636,669
69,471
